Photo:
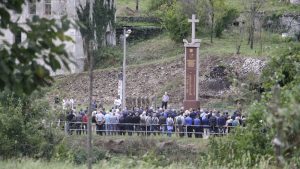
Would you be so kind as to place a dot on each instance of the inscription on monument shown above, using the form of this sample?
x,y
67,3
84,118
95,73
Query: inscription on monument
x,y
191,72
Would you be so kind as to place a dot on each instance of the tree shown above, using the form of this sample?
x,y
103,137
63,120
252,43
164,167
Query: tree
x,y
24,129
252,7
20,64
216,9
103,15
137,5
100,15
281,79
175,22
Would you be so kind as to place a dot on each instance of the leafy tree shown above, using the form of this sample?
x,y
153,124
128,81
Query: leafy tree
x,y
252,7
159,4
103,15
175,22
23,132
281,80
20,64
227,19
283,69
245,146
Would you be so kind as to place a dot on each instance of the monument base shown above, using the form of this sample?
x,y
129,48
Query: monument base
x,y
191,104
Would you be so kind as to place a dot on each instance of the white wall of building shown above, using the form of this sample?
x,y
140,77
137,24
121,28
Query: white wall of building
x,y
60,8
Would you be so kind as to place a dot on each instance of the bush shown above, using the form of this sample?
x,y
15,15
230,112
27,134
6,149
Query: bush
x,y
251,142
176,23
108,57
77,155
22,131
227,19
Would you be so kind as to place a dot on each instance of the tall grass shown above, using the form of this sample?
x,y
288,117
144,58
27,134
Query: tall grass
x,y
123,163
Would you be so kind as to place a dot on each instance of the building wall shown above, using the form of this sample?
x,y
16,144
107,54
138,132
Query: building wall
x,y
295,1
60,8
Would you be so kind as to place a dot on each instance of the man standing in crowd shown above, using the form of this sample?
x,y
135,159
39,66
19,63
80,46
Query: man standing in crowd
x,y
205,123
189,123
165,100
100,122
221,122
170,124
197,123
179,124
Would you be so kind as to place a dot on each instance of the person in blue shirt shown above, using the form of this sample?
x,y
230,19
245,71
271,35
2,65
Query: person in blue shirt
x,y
189,123
197,123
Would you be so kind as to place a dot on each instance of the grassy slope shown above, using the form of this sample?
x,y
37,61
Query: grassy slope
x,y
147,160
123,4
157,48
274,6
162,48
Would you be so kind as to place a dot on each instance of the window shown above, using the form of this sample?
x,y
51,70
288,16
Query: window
x,y
32,7
48,7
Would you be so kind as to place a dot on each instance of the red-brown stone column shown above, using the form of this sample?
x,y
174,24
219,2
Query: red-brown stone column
x,y
191,76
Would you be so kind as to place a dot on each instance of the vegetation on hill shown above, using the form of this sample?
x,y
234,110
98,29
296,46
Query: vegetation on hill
x,y
270,138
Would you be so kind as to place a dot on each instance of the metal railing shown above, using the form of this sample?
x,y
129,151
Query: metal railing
x,y
144,129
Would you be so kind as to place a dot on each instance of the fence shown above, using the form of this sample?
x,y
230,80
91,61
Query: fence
x,y
144,129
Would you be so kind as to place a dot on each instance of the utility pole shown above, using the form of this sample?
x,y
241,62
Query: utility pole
x,y
91,45
124,70
126,33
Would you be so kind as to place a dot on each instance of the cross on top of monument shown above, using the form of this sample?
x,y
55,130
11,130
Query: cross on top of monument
x,y
193,21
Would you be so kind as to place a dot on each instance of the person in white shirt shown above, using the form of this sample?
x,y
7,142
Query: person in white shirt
x,y
100,120
165,100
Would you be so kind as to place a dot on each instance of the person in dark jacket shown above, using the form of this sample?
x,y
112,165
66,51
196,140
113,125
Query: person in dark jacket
x,y
213,123
122,126
70,119
205,123
221,122
162,123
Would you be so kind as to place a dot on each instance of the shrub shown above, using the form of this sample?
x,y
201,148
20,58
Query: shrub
x,y
254,141
175,23
227,19
22,132
108,57
78,155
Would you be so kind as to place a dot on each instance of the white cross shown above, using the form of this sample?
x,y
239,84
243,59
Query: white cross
x,y
193,21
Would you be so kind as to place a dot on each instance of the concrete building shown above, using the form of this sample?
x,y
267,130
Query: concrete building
x,y
55,9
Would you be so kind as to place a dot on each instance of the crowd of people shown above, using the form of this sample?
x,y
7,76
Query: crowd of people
x,y
148,121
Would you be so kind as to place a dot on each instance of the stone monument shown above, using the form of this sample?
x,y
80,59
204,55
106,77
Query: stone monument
x,y
191,78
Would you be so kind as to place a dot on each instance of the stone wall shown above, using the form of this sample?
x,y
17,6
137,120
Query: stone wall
x,y
291,24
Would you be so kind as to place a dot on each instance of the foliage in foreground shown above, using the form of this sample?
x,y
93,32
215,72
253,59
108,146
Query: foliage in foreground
x,y
23,132
119,163
273,123
21,65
